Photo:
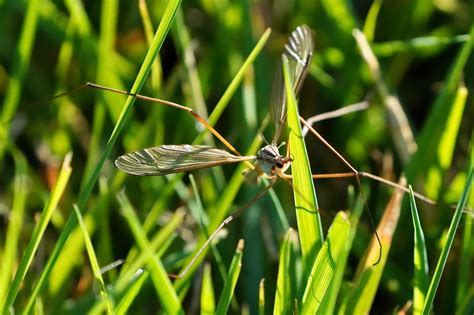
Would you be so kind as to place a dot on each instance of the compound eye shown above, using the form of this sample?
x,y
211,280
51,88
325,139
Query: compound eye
x,y
279,165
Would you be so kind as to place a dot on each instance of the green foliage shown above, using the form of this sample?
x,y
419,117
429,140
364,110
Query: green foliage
x,y
65,217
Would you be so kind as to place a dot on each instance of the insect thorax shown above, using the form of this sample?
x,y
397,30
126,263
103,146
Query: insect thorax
x,y
269,159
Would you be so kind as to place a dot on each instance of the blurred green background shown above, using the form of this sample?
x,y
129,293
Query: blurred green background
x,y
72,42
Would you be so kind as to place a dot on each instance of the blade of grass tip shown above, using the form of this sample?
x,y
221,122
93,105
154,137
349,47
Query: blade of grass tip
x,y
368,276
261,297
435,280
420,259
325,264
306,204
168,297
208,303
15,222
38,233
371,20
231,281
86,192
286,281
19,68
99,281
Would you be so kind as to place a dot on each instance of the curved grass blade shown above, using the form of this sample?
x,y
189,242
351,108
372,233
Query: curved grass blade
x,y
233,276
325,264
420,260
94,264
286,289
306,205
87,190
435,280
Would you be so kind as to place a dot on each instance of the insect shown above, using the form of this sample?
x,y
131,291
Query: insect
x,y
167,159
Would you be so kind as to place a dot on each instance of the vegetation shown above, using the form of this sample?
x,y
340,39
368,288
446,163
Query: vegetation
x,y
79,236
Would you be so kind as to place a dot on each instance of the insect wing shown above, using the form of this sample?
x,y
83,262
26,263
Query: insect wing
x,y
167,159
299,51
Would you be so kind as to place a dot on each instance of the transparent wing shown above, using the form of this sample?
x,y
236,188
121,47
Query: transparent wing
x,y
299,51
167,159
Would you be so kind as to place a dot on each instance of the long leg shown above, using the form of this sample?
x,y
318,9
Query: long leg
x,y
356,173
160,101
220,227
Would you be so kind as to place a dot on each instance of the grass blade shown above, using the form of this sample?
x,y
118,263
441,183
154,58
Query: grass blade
x,y
94,264
286,289
325,264
9,251
435,280
306,205
420,260
208,303
261,297
168,297
233,276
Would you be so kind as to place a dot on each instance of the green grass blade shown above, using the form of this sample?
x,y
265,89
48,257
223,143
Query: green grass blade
x,y
168,297
95,265
420,260
9,251
261,297
325,264
435,280
286,289
20,66
233,276
465,273
208,303
38,233
132,291
86,192
306,205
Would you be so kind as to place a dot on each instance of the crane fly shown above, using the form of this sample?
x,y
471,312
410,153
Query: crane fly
x,y
268,162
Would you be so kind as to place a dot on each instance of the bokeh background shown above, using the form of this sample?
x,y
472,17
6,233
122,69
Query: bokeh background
x,y
415,42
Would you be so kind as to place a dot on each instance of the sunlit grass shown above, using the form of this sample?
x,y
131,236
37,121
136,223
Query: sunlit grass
x,y
218,59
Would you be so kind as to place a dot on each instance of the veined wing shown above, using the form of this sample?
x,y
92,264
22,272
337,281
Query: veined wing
x,y
299,51
167,159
